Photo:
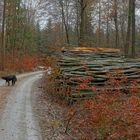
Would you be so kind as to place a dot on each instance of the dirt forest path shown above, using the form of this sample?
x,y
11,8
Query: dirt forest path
x,y
17,121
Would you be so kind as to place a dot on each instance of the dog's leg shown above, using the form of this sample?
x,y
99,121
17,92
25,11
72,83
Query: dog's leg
x,y
8,83
13,82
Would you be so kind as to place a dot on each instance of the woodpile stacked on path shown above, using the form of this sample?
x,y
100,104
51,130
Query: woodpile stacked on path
x,y
97,63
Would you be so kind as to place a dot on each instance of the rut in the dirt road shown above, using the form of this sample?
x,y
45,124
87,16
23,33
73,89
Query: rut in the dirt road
x,y
18,122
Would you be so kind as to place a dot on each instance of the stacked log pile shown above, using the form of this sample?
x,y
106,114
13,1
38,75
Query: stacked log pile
x,y
97,63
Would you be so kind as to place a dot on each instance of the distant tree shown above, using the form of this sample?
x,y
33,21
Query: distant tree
x,y
61,2
115,17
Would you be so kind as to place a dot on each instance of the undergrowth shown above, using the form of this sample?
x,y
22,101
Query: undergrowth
x,y
114,113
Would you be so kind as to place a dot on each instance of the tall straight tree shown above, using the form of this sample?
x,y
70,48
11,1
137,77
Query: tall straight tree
x,y
77,20
61,2
133,28
127,44
115,5
84,6
130,38
3,38
107,24
82,21
99,24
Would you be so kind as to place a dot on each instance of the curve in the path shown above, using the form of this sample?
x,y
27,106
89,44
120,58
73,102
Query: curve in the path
x,y
2,82
18,122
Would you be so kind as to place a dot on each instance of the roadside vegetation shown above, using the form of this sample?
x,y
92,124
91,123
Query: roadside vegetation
x,y
109,111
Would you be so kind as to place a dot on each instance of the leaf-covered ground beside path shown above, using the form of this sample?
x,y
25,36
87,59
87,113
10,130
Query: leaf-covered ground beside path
x,y
50,115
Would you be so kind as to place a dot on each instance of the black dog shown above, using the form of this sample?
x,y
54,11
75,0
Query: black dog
x,y
10,78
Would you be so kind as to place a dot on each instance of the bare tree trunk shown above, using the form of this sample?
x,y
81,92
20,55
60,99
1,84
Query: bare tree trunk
x,y
82,22
99,25
122,26
107,25
14,32
126,47
64,21
122,35
116,23
133,28
77,21
3,39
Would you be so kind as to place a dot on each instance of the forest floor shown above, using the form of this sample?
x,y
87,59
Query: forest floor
x,y
50,115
